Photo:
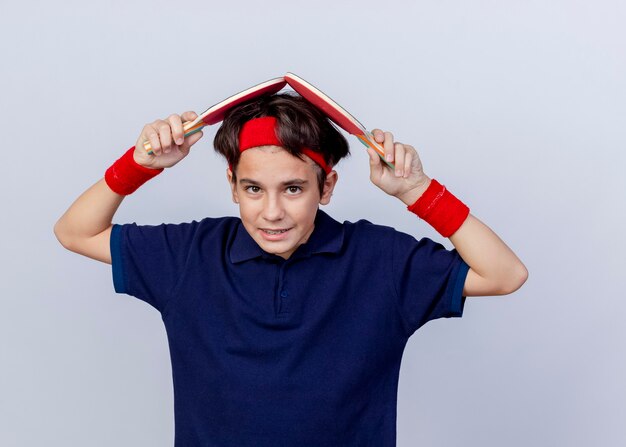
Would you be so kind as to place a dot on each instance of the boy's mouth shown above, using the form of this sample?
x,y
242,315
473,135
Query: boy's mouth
x,y
274,231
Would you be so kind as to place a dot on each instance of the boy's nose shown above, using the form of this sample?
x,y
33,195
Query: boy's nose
x,y
273,209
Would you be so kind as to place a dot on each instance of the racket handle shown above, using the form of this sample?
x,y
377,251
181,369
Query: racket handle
x,y
368,141
190,127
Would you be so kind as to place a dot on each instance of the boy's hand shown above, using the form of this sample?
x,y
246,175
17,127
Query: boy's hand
x,y
408,182
169,146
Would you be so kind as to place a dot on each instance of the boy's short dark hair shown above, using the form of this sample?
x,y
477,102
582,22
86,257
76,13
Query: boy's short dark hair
x,y
300,124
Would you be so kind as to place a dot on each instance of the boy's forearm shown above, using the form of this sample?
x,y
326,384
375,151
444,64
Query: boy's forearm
x,y
90,214
488,255
85,228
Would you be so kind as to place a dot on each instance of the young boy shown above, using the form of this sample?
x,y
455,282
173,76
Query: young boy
x,y
286,327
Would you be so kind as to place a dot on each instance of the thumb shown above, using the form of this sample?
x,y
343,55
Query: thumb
x,y
189,115
375,164
374,160
191,140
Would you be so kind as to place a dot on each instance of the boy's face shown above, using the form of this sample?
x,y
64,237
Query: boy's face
x,y
278,197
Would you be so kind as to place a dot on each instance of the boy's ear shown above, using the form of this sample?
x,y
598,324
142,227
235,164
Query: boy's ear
x,y
329,186
233,187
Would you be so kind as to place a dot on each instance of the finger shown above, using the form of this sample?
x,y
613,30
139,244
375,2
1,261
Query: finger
x,y
176,124
373,156
399,153
408,162
165,135
191,140
379,136
375,164
388,146
151,134
189,116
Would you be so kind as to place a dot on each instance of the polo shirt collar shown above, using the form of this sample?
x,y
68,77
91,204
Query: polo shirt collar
x,y
327,237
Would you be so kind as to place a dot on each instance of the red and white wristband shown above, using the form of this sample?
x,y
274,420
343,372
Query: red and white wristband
x,y
440,208
125,176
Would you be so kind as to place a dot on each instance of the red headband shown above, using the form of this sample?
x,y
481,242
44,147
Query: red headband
x,y
262,132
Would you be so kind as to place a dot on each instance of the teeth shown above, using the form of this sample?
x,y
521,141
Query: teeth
x,y
274,232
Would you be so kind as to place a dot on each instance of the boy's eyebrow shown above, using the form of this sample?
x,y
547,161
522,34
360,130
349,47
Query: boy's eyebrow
x,y
295,181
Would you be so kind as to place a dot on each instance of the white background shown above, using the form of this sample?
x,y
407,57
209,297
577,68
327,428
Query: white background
x,y
519,108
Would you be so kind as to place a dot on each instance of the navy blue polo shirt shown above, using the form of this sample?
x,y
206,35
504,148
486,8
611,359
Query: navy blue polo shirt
x,y
298,352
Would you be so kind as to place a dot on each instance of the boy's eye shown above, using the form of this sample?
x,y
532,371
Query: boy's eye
x,y
294,189
256,189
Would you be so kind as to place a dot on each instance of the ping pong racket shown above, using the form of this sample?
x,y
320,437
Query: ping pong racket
x,y
216,113
336,113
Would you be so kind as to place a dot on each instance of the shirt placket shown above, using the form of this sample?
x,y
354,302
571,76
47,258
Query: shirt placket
x,y
282,291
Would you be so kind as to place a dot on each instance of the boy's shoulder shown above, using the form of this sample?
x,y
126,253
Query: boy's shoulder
x,y
217,228
376,237
204,223
203,228
365,235
369,226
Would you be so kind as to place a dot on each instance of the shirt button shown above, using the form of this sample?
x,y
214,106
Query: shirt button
x,y
284,294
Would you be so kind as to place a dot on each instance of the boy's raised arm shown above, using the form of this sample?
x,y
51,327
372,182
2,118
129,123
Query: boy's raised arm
x,y
494,267
85,228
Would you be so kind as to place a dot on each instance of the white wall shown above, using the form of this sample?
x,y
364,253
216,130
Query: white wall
x,y
518,107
